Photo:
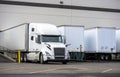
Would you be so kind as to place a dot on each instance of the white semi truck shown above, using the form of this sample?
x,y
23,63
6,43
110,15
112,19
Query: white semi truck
x,y
37,42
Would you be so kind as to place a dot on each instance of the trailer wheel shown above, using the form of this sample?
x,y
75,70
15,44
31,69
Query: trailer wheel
x,y
106,57
101,57
41,59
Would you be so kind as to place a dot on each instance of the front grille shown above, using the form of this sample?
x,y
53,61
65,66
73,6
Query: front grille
x,y
59,53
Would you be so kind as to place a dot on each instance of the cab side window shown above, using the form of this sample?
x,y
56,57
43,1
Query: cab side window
x,y
33,29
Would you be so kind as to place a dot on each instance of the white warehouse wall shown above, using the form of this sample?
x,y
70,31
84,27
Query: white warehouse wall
x,y
11,15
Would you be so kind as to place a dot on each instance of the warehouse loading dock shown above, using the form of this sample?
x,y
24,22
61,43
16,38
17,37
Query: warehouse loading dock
x,y
87,13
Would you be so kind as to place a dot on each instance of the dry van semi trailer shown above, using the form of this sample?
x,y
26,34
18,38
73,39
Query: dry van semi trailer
x,y
74,39
100,43
37,42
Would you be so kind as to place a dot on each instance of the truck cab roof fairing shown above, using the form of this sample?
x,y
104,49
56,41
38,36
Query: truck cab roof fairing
x,y
45,29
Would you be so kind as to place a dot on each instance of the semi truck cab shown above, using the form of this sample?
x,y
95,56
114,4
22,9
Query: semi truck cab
x,y
46,44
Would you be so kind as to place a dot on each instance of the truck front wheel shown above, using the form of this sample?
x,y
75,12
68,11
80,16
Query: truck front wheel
x,y
41,59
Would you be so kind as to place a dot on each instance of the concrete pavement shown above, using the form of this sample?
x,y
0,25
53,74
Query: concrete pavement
x,y
58,68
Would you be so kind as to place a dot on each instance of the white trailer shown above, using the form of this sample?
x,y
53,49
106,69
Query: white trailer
x,y
100,41
74,39
39,41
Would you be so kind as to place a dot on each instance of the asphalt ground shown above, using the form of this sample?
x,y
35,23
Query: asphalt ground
x,y
74,69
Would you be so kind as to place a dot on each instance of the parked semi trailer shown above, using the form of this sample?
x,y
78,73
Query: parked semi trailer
x,y
100,43
37,42
74,39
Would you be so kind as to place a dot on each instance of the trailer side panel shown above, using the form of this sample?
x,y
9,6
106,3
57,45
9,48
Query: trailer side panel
x,y
91,40
14,38
106,40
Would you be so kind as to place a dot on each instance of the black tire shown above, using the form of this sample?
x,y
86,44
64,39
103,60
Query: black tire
x,y
110,57
106,57
64,62
41,59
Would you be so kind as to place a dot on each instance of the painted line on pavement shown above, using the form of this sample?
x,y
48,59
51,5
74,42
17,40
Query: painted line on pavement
x,y
46,70
12,68
53,69
104,71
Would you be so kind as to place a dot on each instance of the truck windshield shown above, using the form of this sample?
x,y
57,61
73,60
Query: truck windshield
x,y
51,38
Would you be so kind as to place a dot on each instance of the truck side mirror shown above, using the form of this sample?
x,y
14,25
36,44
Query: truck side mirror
x,y
67,45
